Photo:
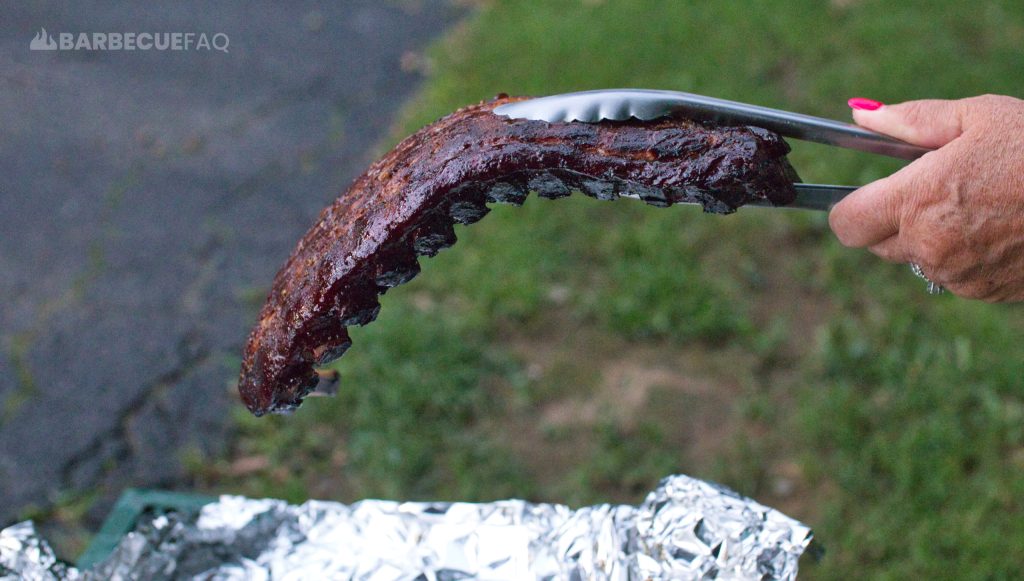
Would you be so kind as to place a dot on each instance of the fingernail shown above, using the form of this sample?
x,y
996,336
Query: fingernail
x,y
864,104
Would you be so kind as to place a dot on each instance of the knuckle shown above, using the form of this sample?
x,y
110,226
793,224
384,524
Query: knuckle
x,y
932,252
990,108
935,243
916,113
984,99
915,189
990,99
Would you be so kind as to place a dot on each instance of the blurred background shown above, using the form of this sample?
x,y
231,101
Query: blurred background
x,y
570,351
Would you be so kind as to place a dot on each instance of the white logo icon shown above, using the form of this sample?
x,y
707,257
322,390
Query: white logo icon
x,y
42,41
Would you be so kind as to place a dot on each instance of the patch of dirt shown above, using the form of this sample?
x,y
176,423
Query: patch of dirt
x,y
698,395
592,378
638,386
623,394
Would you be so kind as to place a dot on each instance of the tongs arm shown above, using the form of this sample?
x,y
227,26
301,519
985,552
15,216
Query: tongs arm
x,y
644,104
808,197
796,125
648,104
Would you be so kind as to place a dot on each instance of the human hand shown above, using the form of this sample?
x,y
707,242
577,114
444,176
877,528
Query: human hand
x,y
958,211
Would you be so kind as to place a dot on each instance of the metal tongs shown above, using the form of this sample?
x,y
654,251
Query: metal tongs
x,y
647,104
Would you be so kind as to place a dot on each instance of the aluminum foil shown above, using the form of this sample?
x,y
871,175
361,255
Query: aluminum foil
x,y
685,529
25,555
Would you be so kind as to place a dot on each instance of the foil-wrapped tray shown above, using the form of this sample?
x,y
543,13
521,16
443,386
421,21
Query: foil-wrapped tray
x,y
685,529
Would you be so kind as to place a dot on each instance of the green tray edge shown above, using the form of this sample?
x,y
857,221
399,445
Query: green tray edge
x,y
126,511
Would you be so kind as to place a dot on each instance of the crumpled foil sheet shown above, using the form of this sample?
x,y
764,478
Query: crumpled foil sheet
x,y
685,529
25,555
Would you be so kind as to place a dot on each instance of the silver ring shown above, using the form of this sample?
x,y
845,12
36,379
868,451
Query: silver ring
x,y
934,288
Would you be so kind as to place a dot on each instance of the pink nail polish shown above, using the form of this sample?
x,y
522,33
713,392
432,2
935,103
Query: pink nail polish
x,y
864,104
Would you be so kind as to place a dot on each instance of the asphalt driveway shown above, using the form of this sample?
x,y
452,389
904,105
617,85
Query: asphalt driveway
x,y
146,199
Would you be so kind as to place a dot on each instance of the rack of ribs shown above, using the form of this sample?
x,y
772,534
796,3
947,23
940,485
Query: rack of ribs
x,y
406,203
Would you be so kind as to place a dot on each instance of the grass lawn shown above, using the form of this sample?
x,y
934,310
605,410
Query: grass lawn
x,y
577,351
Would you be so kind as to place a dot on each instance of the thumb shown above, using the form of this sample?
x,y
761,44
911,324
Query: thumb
x,y
928,123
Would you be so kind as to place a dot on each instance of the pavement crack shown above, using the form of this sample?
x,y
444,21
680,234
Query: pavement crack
x,y
117,437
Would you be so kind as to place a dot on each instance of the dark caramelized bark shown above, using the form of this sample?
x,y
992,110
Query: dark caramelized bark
x,y
406,202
